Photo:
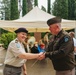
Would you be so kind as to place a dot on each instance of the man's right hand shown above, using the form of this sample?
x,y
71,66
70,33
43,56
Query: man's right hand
x,y
41,56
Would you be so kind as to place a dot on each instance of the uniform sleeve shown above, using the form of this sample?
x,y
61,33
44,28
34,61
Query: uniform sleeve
x,y
15,49
66,47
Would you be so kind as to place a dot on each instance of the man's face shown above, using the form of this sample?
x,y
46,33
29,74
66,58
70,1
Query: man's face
x,y
21,36
53,29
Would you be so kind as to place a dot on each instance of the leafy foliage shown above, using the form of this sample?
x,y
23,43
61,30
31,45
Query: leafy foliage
x,y
49,7
35,2
29,5
14,10
5,8
72,9
60,8
24,8
43,8
6,38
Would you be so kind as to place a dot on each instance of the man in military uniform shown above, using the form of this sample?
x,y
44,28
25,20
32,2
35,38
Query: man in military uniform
x,y
60,49
16,55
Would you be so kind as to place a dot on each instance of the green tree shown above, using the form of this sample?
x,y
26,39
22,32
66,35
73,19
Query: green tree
x,y
71,9
43,8
29,5
49,6
24,7
2,31
14,10
35,2
60,8
5,39
5,8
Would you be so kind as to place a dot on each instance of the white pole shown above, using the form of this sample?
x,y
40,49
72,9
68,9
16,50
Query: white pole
x,y
75,29
75,32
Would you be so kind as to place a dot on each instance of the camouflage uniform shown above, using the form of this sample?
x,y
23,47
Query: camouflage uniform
x,y
60,51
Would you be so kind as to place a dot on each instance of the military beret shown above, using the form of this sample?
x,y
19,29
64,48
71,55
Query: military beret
x,y
21,30
53,20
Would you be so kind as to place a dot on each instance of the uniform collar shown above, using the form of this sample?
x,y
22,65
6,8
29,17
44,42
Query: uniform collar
x,y
59,34
16,40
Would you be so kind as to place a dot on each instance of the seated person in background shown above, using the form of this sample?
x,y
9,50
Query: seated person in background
x,y
26,46
41,47
46,39
31,40
34,49
72,34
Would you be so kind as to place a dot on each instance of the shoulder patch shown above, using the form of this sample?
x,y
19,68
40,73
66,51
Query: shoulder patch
x,y
66,39
17,45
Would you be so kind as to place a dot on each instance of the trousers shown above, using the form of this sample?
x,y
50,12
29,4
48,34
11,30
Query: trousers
x,y
67,72
10,70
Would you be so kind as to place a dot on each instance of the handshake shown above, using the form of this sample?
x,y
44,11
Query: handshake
x,y
41,56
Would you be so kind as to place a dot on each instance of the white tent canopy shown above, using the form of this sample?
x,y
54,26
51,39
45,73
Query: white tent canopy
x,y
35,21
35,15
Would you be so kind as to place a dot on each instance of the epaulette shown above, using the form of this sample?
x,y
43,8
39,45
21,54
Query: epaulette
x,y
65,33
16,41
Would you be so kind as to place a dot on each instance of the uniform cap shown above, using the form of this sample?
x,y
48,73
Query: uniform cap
x,y
21,30
53,20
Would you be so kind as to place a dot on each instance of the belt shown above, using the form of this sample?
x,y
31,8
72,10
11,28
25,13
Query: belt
x,y
10,66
